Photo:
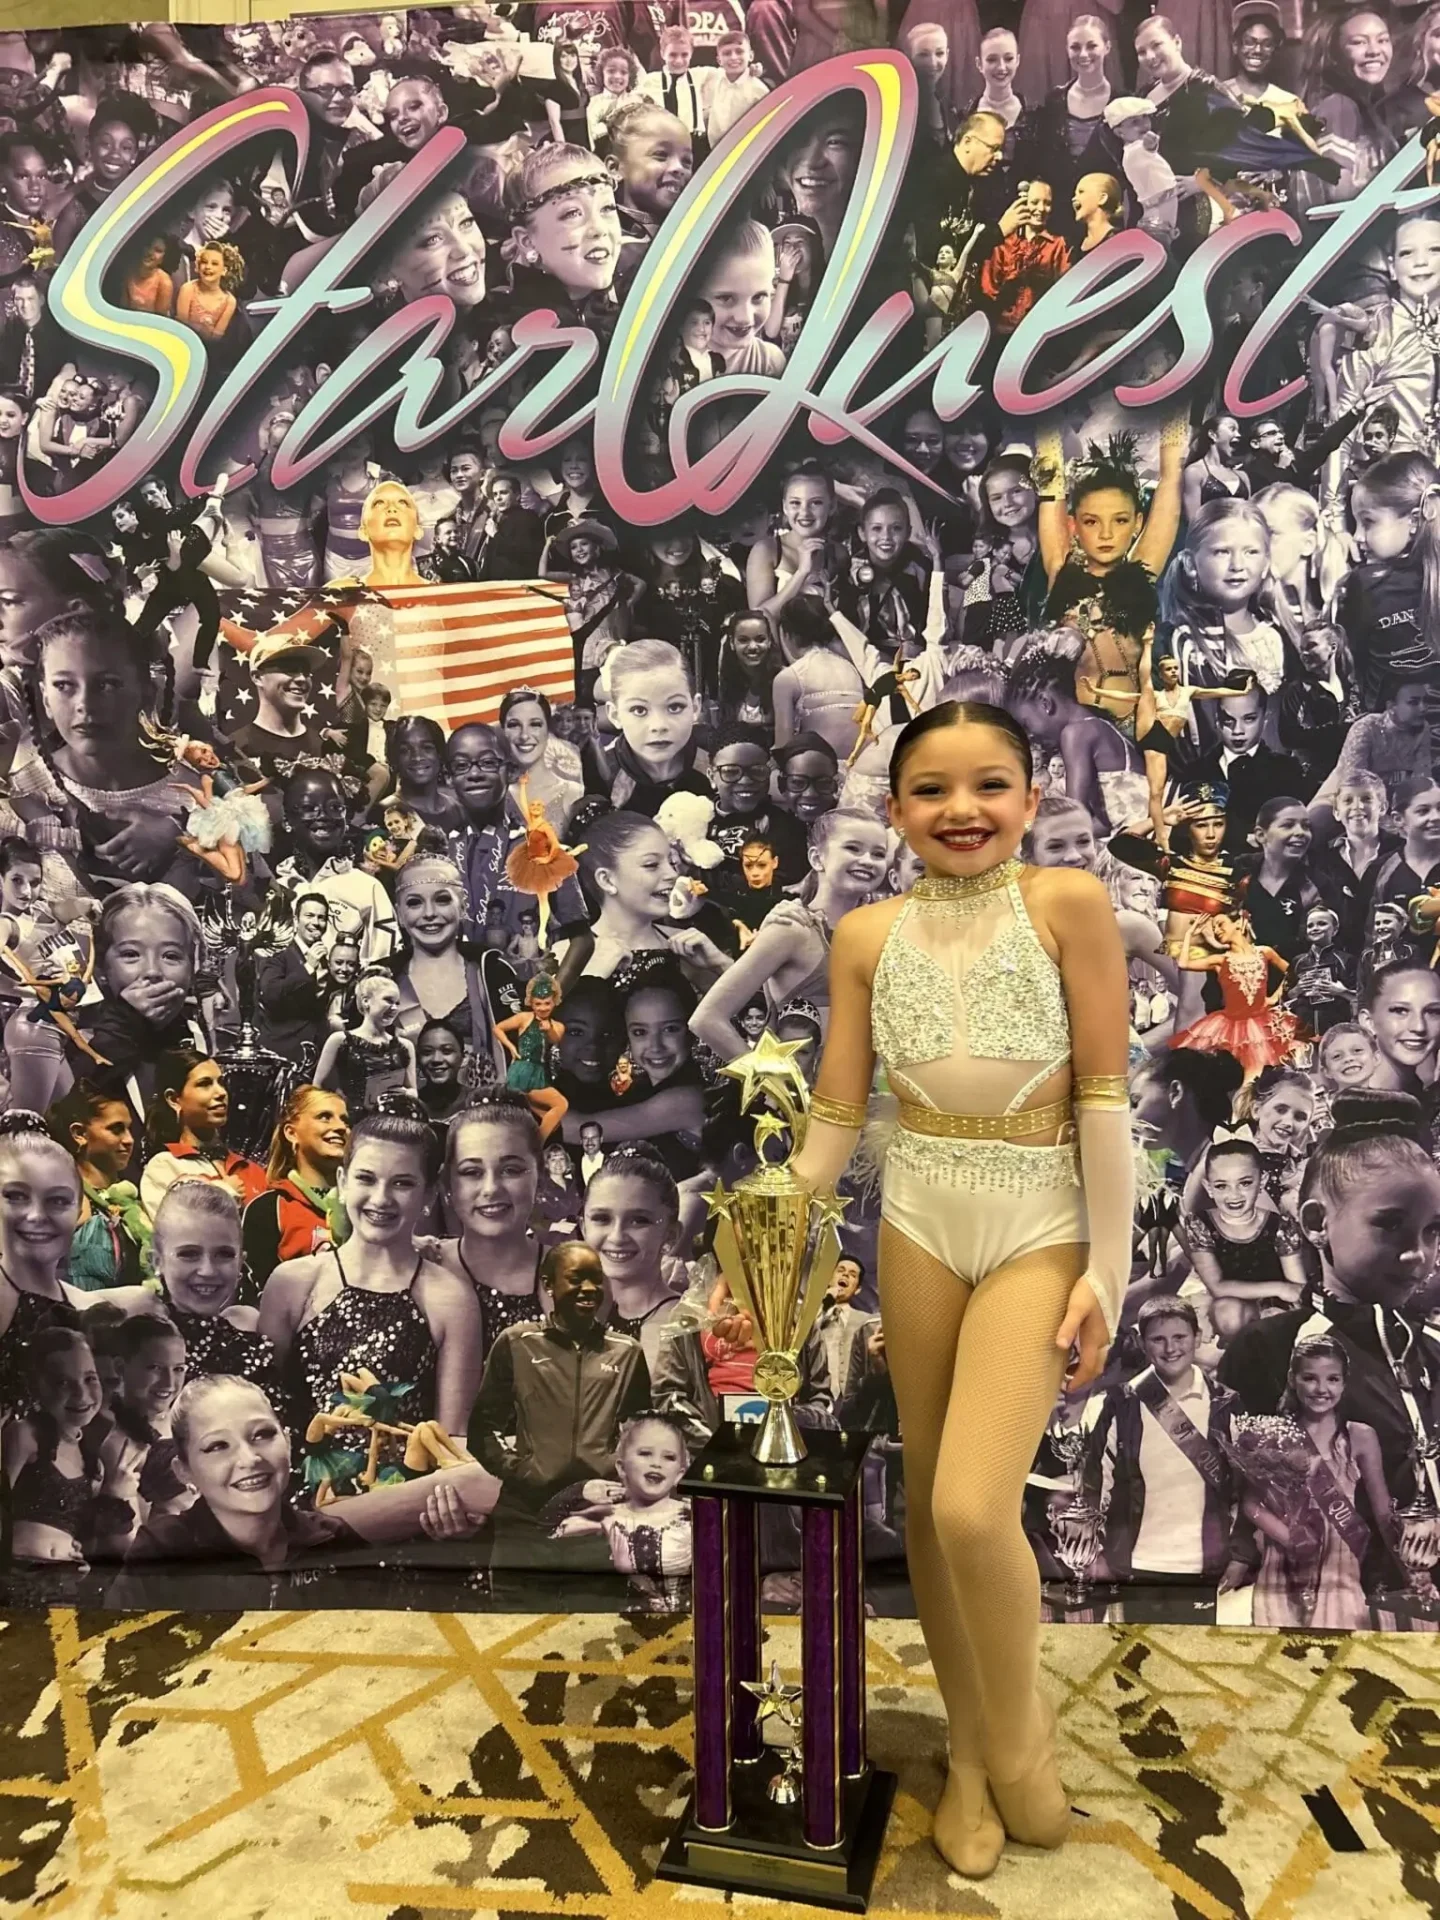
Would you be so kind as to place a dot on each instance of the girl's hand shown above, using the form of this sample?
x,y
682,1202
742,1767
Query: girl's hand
x,y
157,1001
689,943
444,1517
428,1247
1236,1574
1084,1328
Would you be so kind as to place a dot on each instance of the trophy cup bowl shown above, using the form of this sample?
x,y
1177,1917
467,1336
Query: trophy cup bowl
x,y
1077,1546
776,1243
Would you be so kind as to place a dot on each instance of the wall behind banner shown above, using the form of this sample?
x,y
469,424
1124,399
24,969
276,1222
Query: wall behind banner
x,y
402,825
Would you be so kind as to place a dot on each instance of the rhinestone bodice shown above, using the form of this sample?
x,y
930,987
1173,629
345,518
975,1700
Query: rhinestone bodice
x,y
963,980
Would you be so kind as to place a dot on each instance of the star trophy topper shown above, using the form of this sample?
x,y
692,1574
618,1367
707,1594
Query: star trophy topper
x,y
776,1241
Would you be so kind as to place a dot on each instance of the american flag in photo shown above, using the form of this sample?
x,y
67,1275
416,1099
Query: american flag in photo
x,y
459,649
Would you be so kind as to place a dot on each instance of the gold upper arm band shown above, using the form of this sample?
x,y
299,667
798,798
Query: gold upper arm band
x,y
1101,1090
840,1113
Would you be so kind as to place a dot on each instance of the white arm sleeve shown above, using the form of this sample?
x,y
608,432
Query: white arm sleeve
x,y
825,1155
1107,1167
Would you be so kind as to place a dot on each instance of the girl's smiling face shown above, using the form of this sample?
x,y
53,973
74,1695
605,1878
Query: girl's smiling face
x,y
576,231
654,163
320,1133
884,530
643,876
148,944
152,1377
443,251
1230,562
197,1255
1010,498
494,1175
739,288
626,1224
657,1033
237,1454
1065,840
429,910
1318,1383
588,1049
1232,1181
39,1202
964,803
383,1189
651,1462
1405,1018
525,726
751,643
1283,1117
854,857
807,504
1366,48
1421,818
68,1388
437,1058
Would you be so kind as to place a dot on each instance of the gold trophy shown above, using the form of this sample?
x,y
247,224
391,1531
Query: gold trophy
x,y
776,1241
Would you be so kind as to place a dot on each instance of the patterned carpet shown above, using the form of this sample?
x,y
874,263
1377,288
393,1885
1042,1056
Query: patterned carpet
x,y
407,1766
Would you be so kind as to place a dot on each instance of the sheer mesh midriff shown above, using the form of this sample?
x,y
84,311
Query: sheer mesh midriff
x,y
936,961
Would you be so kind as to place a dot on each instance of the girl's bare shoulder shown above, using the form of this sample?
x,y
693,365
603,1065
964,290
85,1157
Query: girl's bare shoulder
x,y
862,932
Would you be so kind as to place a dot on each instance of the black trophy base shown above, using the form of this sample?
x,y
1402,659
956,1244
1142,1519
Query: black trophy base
x,y
763,1849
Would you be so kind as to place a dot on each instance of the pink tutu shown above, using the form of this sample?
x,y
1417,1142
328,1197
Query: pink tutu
x,y
1256,1041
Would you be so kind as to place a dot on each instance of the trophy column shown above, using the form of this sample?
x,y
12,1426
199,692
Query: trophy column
x,y
805,1821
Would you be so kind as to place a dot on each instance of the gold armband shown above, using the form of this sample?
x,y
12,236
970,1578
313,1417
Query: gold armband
x,y
840,1113
1101,1090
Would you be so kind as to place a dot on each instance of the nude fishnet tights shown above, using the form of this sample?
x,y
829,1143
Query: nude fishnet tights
x,y
975,1372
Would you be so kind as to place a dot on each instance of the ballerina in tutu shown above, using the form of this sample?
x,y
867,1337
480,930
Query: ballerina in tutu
x,y
537,1034
540,864
1249,1025
228,822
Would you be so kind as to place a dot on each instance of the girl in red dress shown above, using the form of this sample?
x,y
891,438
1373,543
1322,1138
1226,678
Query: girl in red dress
x,y
1249,1025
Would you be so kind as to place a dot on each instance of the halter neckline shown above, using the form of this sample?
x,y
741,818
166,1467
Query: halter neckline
x,y
969,886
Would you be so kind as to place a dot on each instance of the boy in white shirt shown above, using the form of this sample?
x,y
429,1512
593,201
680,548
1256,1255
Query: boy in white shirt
x,y
681,91
735,89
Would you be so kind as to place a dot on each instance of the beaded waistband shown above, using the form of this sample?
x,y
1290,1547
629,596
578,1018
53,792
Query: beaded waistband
x,y
986,1126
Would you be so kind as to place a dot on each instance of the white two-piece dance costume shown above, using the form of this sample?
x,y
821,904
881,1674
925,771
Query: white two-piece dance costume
x,y
969,1017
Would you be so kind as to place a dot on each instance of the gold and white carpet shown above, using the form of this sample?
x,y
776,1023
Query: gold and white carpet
x,y
408,1766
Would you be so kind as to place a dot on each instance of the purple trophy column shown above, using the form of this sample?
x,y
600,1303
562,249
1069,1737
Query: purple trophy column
x,y
710,1521
746,1740
852,1640
820,1674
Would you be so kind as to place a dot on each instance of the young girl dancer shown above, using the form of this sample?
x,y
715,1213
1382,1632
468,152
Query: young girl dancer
x,y
1321,1587
996,995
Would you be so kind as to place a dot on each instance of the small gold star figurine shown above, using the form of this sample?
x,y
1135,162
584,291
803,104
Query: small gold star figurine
x,y
777,1701
769,1068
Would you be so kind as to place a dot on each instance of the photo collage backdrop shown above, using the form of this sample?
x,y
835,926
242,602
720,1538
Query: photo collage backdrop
x,y
402,826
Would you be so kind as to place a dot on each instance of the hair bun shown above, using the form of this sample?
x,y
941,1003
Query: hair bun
x,y
1367,1112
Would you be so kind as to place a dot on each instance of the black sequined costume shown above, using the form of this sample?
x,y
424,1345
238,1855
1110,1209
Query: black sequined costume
x,y
384,1332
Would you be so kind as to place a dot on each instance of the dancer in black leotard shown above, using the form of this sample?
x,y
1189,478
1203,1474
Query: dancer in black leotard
x,y
372,1303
